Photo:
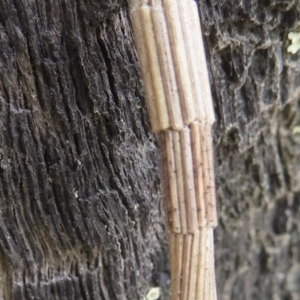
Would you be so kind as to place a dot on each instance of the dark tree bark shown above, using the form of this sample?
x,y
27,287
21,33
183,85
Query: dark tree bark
x,y
80,203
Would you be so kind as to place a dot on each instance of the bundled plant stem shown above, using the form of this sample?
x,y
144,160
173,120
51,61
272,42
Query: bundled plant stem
x,y
171,54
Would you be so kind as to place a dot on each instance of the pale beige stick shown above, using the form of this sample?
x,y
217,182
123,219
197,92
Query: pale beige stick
x,y
188,179
201,274
211,172
201,61
179,256
176,253
180,60
207,291
213,288
174,202
180,184
208,174
167,65
172,247
154,66
195,252
198,174
186,266
210,283
191,50
144,63
208,266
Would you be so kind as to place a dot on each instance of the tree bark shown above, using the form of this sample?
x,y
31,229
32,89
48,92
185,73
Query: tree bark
x,y
81,215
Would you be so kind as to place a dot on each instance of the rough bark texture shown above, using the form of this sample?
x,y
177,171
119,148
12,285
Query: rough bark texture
x,y
80,203
256,92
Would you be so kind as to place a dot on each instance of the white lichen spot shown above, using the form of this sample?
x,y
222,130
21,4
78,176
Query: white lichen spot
x,y
295,42
153,294
76,194
296,130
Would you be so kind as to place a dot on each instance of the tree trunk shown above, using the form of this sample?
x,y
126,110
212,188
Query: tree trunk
x,y
81,213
